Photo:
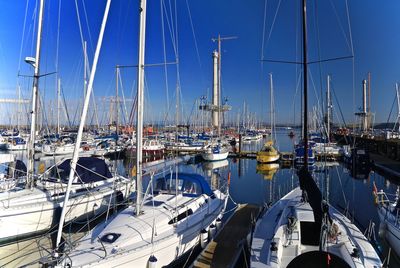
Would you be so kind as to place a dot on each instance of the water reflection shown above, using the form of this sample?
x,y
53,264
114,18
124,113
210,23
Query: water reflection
x,y
259,184
268,170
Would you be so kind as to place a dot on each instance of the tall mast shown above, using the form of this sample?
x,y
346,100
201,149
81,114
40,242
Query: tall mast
x,y
116,100
85,68
81,125
35,95
328,105
305,79
58,104
140,93
271,103
219,85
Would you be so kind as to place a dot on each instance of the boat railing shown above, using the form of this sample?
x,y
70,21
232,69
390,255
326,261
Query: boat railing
x,y
391,207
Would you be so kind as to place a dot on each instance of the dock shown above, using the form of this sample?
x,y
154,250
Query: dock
x,y
226,248
385,165
243,154
285,156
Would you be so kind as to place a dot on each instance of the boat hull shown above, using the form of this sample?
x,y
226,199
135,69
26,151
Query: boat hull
x,y
392,232
214,156
170,244
264,158
26,213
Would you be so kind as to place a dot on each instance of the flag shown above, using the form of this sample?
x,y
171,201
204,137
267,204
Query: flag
x,y
375,193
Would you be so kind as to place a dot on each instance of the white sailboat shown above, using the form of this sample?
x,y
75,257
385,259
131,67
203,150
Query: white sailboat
x,y
287,236
160,227
302,229
389,215
215,153
34,207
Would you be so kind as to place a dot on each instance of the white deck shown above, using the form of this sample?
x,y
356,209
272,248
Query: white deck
x,y
134,245
273,227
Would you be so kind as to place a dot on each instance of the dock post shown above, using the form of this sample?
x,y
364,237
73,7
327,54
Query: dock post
x,y
240,144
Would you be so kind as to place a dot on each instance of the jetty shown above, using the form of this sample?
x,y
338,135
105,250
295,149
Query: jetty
x,y
226,248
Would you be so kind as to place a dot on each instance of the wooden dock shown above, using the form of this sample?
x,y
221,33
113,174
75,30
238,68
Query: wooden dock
x,y
243,154
225,249
285,156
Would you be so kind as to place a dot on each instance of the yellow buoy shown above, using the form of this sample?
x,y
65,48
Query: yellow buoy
x,y
133,171
41,168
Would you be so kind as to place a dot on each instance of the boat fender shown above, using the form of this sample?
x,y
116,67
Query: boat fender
x,y
382,229
212,231
273,246
218,223
355,253
152,263
203,238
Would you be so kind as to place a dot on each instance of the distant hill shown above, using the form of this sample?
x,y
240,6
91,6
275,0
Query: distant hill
x,y
384,126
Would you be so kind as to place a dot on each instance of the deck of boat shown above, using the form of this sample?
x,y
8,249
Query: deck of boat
x,y
225,249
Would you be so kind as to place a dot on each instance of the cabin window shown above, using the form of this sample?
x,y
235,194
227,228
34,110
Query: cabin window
x,y
178,185
181,216
191,187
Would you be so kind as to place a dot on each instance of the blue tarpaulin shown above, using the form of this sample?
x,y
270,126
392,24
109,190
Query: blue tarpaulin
x,y
89,169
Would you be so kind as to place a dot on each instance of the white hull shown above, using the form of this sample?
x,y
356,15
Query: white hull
x,y
107,151
392,232
51,150
17,147
274,225
187,148
214,156
27,212
134,247
331,149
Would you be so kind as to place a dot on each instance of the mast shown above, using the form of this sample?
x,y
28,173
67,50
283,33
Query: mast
x,y
328,105
35,94
117,101
58,104
271,103
140,92
81,125
305,79
85,66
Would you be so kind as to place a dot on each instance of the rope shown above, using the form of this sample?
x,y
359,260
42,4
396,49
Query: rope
x,y
349,44
341,186
273,22
263,35
23,36
390,114
165,61
87,25
195,42
338,103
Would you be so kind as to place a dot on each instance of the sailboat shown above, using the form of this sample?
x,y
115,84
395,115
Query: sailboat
x,y
388,211
34,207
215,152
268,153
302,229
159,228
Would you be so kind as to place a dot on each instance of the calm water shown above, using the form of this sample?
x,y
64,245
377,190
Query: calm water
x,y
250,184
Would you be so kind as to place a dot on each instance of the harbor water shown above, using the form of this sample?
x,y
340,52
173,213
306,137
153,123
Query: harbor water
x,y
250,183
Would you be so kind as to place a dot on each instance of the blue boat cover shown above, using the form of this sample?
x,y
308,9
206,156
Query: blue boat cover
x,y
196,178
89,169
18,140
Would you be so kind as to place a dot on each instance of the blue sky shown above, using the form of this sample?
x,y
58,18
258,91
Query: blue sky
x,y
374,31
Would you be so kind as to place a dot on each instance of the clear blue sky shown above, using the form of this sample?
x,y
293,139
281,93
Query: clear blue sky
x,y
374,29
